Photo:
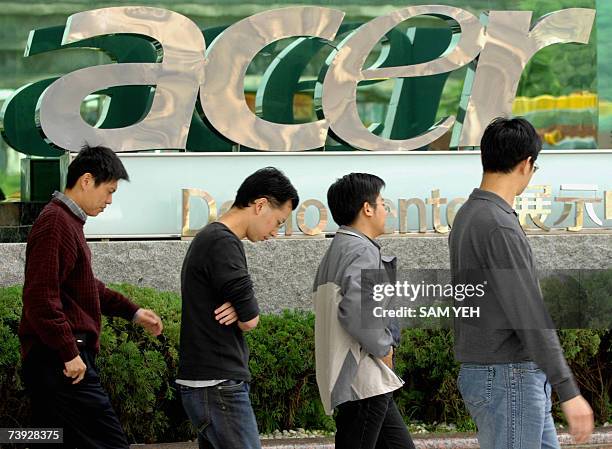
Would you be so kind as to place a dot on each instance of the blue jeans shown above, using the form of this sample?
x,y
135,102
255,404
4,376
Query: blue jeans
x,y
510,404
222,415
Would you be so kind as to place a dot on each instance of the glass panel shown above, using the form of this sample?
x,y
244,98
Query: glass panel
x,y
559,91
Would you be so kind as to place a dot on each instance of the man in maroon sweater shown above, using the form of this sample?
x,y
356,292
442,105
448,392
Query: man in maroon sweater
x,y
62,306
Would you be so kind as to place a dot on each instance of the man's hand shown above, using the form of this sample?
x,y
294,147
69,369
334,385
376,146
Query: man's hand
x,y
388,359
226,314
248,325
579,416
75,369
149,320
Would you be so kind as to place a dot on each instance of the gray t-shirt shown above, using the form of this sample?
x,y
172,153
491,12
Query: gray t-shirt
x,y
487,238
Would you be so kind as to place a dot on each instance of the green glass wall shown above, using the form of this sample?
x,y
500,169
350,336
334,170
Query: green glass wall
x,y
564,90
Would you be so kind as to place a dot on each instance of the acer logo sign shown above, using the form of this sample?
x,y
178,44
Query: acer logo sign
x,y
183,70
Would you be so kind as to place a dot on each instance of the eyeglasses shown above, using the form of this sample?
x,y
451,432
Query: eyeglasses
x,y
535,167
386,206
383,204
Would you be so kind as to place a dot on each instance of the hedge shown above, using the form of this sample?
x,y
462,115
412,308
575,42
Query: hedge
x,y
138,371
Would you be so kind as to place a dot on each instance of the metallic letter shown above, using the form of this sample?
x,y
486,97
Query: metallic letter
x,y
509,47
288,226
18,124
403,214
208,199
392,213
581,203
534,202
225,207
339,94
222,92
301,220
452,208
436,202
176,79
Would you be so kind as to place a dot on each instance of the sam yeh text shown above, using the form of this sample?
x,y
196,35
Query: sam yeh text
x,y
427,312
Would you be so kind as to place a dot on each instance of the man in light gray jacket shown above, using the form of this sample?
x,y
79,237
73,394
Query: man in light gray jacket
x,y
354,349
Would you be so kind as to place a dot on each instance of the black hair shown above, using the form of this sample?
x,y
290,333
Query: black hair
x,y
346,196
101,162
506,142
270,183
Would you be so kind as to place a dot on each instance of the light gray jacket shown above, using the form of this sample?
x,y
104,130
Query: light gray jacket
x,y
349,344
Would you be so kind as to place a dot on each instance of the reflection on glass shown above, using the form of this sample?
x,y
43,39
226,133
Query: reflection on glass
x,y
564,90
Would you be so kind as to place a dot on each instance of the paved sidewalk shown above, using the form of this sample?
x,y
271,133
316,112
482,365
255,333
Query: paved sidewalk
x,y
601,439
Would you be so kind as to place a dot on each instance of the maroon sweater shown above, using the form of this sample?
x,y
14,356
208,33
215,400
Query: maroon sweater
x,y
61,296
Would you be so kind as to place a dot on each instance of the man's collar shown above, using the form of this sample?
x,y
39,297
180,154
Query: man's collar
x,y
352,231
73,206
494,198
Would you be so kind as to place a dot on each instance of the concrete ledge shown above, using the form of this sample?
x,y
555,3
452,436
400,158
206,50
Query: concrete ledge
x,y
283,269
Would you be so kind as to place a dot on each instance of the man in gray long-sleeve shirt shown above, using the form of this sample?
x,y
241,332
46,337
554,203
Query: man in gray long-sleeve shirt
x,y
353,347
510,357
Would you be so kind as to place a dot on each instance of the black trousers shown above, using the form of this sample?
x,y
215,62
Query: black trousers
x,y
372,423
83,410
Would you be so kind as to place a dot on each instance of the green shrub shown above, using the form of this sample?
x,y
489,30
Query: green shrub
x,y
579,299
138,371
426,362
589,355
284,389
14,406
583,299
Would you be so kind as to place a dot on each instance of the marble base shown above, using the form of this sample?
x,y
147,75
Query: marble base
x,y
283,270
16,219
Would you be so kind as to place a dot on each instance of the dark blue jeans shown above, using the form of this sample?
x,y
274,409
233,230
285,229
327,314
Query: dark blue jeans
x,y
222,415
83,410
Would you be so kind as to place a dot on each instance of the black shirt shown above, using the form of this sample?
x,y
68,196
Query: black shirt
x,y
214,272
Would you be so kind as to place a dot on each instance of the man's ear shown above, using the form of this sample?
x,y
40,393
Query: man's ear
x,y
527,167
86,181
521,167
367,209
259,203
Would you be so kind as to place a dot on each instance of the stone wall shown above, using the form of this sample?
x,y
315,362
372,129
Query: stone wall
x,y
283,270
